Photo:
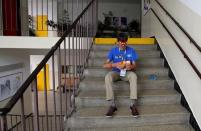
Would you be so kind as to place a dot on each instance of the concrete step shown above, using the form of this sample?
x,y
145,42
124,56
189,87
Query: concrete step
x,y
146,62
145,97
136,47
142,54
98,83
171,127
101,72
149,115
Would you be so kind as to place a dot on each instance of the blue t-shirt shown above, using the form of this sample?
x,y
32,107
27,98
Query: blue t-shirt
x,y
116,55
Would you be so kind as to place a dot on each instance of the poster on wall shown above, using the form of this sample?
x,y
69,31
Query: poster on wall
x,y
9,84
147,6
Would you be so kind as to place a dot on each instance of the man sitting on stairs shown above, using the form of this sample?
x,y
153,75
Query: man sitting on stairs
x,y
121,60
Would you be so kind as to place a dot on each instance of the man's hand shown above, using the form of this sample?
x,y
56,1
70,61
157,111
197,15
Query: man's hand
x,y
130,66
120,65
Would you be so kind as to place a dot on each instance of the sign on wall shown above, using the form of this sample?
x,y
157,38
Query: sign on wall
x,y
9,84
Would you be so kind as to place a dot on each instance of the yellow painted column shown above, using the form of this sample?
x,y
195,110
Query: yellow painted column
x,y
41,26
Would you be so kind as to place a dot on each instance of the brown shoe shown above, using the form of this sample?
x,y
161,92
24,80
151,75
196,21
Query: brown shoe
x,y
134,111
111,111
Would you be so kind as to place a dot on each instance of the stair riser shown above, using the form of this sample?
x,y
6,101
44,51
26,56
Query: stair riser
x,y
97,85
149,63
129,121
142,72
103,54
136,47
125,101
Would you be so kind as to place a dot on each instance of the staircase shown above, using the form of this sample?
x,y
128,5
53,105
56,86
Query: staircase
x,y
158,102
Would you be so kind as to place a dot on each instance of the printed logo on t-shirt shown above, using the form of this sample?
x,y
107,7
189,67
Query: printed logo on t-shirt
x,y
129,55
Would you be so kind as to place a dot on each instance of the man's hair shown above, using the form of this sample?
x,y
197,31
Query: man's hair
x,y
122,37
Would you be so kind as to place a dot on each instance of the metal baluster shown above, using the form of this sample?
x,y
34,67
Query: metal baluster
x,y
79,30
84,29
69,75
60,91
35,105
87,22
52,13
47,14
93,12
72,11
37,14
11,120
57,11
62,13
42,123
75,77
85,36
32,13
23,128
32,123
3,123
45,94
76,35
16,122
51,123
73,65
96,15
29,123
54,96
65,86
42,14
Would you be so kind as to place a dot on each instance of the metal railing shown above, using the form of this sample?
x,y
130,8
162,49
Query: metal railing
x,y
16,124
51,108
176,42
181,28
34,16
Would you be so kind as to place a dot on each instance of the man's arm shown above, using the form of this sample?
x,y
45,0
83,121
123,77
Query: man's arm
x,y
108,64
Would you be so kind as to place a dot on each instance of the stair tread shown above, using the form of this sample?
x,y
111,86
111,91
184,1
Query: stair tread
x,y
142,54
99,112
123,93
152,62
142,71
138,51
170,127
140,79
136,47
98,83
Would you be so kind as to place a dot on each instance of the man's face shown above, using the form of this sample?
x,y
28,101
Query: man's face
x,y
122,44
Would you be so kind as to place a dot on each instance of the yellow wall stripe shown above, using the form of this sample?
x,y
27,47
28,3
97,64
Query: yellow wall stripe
x,y
130,41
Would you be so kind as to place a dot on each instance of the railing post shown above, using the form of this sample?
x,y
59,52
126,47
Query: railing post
x,y
3,123
35,105
96,16
23,128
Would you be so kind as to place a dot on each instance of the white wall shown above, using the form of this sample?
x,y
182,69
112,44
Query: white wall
x,y
126,8
186,77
